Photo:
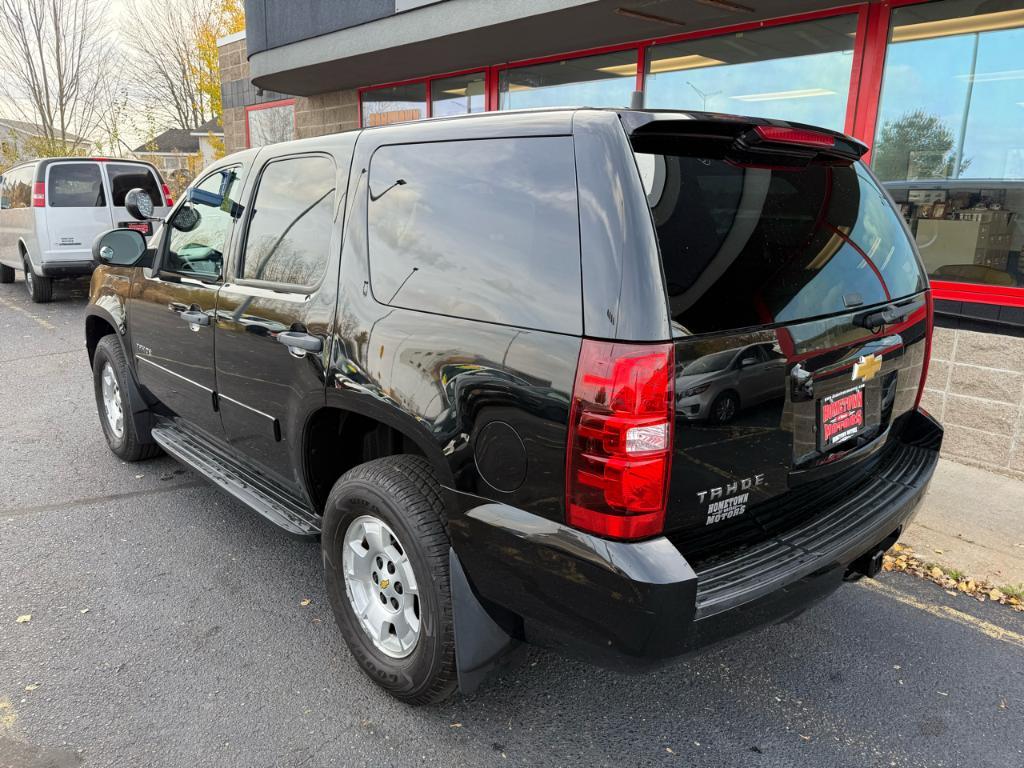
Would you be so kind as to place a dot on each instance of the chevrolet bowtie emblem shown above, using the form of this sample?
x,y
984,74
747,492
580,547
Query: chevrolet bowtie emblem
x,y
867,367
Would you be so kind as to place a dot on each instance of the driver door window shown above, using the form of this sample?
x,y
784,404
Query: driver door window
x,y
199,233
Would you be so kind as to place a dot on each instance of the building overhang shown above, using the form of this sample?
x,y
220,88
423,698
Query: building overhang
x,y
457,35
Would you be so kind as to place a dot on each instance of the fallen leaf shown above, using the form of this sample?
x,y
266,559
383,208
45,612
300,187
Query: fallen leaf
x,y
939,552
805,738
84,610
31,686
24,619
669,750
935,572
995,594
455,725
305,602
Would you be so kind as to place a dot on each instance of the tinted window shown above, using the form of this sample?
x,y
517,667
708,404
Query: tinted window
x,y
745,246
486,230
75,185
292,222
124,178
199,232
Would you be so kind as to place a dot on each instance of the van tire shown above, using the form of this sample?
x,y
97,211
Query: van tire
x,y
403,493
39,288
6,274
134,443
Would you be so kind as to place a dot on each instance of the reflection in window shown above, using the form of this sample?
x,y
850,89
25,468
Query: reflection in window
x,y
199,232
607,80
396,104
269,125
798,72
458,95
950,137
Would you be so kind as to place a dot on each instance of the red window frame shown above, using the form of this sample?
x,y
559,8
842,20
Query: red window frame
x,y
268,105
867,70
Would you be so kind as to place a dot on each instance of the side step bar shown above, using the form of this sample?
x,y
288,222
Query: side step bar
x,y
281,507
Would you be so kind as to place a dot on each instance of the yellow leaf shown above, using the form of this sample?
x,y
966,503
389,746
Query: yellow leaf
x,y
305,602
935,573
24,619
996,595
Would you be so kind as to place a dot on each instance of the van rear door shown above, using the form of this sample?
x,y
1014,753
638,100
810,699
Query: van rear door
x,y
798,309
122,177
76,210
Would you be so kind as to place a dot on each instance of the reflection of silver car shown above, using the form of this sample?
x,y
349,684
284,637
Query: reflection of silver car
x,y
715,387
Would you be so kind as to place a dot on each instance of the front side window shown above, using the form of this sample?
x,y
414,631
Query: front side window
x,y
269,125
485,230
949,144
292,222
75,185
199,230
799,72
606,80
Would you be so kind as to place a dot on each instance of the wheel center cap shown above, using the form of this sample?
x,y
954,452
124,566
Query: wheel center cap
x,y
385,583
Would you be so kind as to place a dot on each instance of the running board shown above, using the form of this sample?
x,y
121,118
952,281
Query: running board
x,y
281,507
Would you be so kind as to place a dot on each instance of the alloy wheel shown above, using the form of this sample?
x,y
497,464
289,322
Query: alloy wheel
x,y
381,586
113,409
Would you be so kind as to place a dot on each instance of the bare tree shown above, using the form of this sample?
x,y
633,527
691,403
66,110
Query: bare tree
x,y
53,58
169,55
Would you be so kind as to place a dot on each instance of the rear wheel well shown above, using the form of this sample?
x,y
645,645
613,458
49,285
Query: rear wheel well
x,y
337,441
95,329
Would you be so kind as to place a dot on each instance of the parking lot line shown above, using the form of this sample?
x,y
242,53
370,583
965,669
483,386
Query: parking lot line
x,y
44,323
986,628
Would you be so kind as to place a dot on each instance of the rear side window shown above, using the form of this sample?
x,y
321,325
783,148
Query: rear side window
x,y
124,178
745,246
75,185
484,230
292,221
17,188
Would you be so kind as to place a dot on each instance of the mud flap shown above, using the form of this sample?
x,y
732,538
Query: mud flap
x,y
480,644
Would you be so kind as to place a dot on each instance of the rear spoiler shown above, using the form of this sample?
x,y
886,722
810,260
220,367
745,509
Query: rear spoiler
x,y
743,139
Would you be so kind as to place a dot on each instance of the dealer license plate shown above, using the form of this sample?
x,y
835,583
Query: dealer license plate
x,y
840,417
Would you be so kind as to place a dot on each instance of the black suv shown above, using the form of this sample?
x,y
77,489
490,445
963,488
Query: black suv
x,y
619,383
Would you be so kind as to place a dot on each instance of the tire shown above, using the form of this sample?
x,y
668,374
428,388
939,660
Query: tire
x,y
402,493
133,443
39,288
724,408
6,274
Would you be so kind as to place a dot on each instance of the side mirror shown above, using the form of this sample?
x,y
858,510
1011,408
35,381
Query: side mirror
x,y
139,204
746,362
119,248
5,203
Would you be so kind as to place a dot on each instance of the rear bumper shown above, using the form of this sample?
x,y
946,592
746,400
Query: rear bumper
x,y
66,268
634,604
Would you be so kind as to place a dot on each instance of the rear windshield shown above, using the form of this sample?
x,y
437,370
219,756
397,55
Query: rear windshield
x,y
125,177
746,246
75,185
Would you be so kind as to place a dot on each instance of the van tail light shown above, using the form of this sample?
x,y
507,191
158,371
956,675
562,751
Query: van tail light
x,y
168,200
929,305
800,136
620,439
39,195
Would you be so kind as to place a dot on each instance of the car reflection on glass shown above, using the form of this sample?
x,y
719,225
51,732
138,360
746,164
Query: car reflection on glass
x,y
716,387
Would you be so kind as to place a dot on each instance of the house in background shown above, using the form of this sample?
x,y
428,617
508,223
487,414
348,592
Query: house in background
x,y
21,141
180,154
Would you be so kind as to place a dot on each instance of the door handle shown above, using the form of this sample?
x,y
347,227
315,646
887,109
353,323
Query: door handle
x,y
299,343
195,317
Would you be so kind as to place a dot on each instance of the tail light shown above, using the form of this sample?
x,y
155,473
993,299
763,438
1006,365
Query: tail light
x,y
620,439
168,200
929,305
39,195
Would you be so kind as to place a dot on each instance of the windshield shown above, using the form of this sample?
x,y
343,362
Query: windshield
x,y
746,246
718,361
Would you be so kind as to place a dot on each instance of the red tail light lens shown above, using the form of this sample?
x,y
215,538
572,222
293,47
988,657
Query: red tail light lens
x,y
929,305
801,136
168,200
39,195
620,439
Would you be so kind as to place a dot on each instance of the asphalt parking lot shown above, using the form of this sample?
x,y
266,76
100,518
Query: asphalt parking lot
x,y
167,630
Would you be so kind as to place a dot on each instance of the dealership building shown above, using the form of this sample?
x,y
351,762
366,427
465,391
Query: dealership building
x,y
935,89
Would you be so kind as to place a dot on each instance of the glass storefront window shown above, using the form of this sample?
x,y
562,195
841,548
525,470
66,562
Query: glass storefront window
x,y
459,95
799,72
269,125
949,143
606,80
395,104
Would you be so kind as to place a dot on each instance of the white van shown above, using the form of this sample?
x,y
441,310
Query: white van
x,y
52,209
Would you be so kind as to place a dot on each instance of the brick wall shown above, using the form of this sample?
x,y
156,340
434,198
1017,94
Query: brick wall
x,y
314,115
976,389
